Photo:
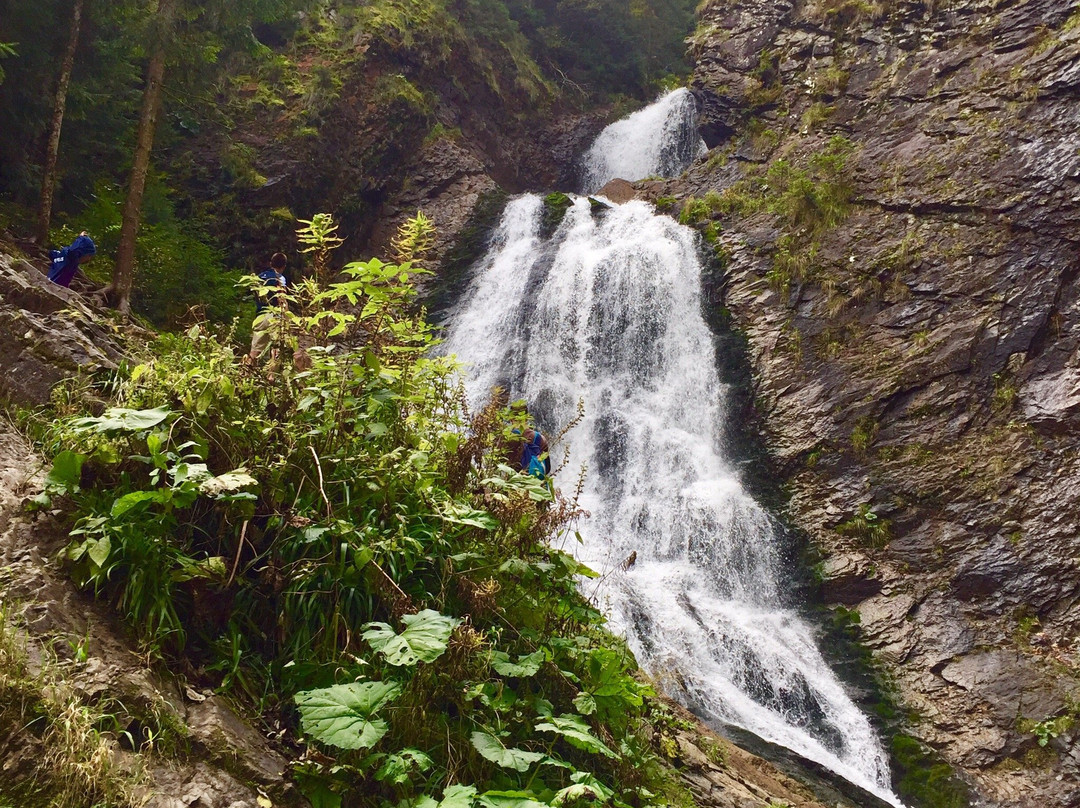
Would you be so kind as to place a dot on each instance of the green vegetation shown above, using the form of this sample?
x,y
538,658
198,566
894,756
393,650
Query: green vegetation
x,y
808,197
923,778
1050,728
862,436
867,527
555,207
343,545
842,14
75,736
274,108
1054,726
815,115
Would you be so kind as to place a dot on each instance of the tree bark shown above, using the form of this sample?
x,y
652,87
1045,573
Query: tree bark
x,y
48,178
124,271
119,292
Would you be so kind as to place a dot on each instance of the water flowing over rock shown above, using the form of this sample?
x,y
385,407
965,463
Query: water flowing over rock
x,y
920,363
609,309
660,139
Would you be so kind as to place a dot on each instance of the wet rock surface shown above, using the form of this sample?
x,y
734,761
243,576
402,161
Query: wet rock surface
x,y
918,373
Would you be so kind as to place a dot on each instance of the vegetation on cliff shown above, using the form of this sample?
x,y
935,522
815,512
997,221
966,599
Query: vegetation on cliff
x,y
342,548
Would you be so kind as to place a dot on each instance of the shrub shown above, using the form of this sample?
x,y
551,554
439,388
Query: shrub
x,y
341,534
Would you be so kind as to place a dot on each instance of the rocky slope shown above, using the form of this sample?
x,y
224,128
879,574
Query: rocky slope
x,y
892,192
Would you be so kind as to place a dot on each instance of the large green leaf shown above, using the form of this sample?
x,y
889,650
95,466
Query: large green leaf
x,y
584,703
525,667
423,640
123,504
585,787
462,514
510,799
491,748
576,732
397,768
228,483
458,796
341,715
66,473
119,419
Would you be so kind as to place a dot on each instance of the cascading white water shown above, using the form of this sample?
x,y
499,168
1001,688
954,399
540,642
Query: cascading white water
x,y
608,309
660,140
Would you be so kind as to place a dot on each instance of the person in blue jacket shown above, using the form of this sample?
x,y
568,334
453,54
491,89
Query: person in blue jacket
x,y
528,448
534,454
65,261
268,303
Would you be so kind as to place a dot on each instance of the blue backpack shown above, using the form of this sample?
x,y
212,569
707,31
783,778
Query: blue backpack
x,y
530,458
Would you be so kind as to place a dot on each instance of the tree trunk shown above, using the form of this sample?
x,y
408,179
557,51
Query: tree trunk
x,y
124,272
48,179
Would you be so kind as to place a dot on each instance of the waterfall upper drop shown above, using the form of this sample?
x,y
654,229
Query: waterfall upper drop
x,y
661,139
609,309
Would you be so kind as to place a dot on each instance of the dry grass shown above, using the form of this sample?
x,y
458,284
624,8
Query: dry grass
x,y
81,763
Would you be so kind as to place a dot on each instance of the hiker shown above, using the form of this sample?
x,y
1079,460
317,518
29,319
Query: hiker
x,y
269,300
535,448
65,261
532,457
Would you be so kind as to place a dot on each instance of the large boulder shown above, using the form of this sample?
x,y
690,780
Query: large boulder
x,y
47,333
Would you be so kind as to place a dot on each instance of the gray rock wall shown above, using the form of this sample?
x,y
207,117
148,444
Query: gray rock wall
x,y
918,370
47,333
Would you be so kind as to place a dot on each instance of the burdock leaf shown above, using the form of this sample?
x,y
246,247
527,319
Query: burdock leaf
x,y
424,639
491,748
342,715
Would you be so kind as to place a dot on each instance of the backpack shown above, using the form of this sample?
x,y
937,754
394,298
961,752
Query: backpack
x,y
530,458
275,282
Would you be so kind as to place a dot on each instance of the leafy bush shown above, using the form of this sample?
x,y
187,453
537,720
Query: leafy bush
x,y
340,539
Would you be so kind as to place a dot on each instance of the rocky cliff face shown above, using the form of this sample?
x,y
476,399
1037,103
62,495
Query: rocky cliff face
x,y
893,188
47,333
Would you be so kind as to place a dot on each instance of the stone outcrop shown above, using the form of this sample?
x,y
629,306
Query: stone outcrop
x,y
917,357
450,179
47,332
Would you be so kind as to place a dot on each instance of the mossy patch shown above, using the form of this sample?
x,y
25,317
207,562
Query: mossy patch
x,y
923,779
555,207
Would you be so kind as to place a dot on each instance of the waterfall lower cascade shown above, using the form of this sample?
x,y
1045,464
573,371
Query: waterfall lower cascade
x,y
609,309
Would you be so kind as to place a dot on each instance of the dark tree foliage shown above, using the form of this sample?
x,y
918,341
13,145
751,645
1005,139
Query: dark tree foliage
x,y
608,45
259,91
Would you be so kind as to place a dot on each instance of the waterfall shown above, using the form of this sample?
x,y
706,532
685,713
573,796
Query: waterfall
x,y
609,309
660,139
